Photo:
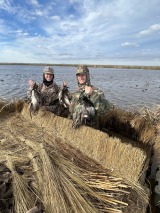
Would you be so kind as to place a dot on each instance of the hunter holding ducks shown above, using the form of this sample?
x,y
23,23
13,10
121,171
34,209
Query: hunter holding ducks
x,y
49,91
88,103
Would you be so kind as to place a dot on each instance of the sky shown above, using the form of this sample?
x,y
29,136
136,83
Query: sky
x,y
109,32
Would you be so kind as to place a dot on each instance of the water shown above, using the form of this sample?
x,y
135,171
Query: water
x,y
126,88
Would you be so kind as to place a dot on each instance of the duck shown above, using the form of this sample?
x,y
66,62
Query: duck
x,y
35,100
64,96
85,114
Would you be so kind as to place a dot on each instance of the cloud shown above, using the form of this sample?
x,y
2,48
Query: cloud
x,y
3,27
152,29
34,2
5,4
55,18
146,51
128,44
79,30
21,32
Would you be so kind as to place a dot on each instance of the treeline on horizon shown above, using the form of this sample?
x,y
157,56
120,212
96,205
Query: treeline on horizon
x,y
89,65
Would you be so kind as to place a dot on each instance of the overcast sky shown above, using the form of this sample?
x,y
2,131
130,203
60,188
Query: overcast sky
x,y
80,31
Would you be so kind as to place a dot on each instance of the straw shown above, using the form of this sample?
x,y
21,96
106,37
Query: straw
x,y
23,198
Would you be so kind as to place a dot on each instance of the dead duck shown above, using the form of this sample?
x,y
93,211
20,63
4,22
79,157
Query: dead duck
x,y
85,114
35,100
64,96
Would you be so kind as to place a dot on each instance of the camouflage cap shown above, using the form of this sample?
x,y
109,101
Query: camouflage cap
x,y
82,69
48,70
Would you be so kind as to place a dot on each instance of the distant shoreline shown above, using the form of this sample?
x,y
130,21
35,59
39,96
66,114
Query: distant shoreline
x,y
89,65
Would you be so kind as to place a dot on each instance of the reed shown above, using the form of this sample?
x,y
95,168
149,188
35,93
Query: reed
x,y
23,198
133,125
47,177
11,106
107,151
74,187
67,170
98,178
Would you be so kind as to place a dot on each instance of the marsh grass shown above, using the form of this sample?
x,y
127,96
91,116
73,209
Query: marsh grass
x,y
68,170
110,152
24,199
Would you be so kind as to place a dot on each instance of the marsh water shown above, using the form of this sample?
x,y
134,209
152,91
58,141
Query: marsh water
x,y
126,88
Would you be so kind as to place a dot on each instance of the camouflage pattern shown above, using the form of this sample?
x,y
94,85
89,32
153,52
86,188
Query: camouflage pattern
x,y
97,98
50,97
48,70
83,69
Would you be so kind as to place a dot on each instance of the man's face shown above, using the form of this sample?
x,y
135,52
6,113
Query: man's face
x,y
48,77
81,78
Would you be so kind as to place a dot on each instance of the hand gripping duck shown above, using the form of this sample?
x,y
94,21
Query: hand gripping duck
x,y
64,96
85,113
35,100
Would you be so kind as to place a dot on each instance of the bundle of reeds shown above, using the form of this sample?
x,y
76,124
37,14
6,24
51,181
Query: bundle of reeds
x,y
54,168
110,152
24,199
10,106
61,186
135,125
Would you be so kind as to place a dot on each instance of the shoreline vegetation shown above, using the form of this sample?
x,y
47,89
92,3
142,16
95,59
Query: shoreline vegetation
x,y
89,65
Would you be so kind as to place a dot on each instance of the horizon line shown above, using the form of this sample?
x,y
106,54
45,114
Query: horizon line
x,y
89,65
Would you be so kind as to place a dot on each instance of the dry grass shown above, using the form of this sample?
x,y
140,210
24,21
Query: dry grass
x,y
63,188
24,199
107,151
9,107
135,125
67,170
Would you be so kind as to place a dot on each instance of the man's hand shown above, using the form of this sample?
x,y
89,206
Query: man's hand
x,y
31,83
88,90
64,83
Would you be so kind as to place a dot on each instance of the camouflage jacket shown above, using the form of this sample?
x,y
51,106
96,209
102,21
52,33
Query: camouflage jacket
x,y
49,96
97,97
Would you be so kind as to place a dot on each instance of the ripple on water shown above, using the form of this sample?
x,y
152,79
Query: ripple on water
x,y
125,88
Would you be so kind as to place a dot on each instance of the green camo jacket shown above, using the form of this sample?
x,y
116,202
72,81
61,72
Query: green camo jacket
x,y
97,98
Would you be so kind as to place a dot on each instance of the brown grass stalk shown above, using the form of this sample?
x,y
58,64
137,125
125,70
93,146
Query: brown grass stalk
x,y
23,198
50,189
80,178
